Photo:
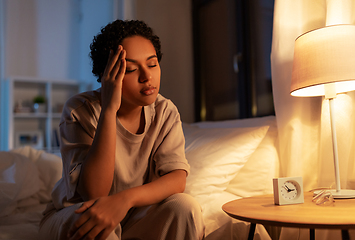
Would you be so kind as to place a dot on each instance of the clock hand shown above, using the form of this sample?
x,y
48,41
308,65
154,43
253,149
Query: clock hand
x,y
288,189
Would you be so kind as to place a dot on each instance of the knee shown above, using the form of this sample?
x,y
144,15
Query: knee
x,y
56,224
184,205
188,213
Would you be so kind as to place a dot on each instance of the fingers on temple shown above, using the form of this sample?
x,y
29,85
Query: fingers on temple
x,y
109,65
114,61
120,65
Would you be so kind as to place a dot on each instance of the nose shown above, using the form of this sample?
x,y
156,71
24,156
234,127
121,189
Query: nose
x,y
144,75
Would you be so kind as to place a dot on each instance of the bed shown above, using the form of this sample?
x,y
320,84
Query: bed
x,y
229,160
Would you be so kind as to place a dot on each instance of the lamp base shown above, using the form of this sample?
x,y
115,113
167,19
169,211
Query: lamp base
x,y
343,193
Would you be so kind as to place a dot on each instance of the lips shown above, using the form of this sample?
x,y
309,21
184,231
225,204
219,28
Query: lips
x,y
148,90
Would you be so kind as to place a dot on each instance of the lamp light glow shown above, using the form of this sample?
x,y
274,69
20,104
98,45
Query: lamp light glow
x,y
322,56
324,65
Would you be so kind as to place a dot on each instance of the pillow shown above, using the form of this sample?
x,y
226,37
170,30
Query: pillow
x,y
18,180
238,123
255,177
49,167
216,155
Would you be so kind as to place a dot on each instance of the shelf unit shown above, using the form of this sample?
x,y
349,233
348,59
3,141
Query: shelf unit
x,y
21,125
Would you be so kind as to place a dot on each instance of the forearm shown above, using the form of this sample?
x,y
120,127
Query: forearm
x,y
156,191
98,167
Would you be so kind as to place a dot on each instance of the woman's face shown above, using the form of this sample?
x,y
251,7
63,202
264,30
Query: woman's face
x,y
141,82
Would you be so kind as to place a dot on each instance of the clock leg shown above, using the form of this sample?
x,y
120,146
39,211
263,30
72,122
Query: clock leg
x,y
251,231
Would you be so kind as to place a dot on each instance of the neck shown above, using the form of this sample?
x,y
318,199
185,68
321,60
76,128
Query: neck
x,y
129,113
132,120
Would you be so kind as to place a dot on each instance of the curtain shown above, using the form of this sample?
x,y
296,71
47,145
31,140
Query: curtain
x,y
305,145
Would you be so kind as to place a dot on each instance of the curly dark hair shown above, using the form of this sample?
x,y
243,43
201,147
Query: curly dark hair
x,y
112,35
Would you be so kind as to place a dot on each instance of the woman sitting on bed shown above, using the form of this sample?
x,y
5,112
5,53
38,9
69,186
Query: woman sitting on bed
x,y
124,165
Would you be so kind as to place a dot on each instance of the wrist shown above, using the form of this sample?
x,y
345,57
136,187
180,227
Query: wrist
x,y
127,196
108,111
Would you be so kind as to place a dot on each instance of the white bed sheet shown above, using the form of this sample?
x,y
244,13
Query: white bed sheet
x,y
221,226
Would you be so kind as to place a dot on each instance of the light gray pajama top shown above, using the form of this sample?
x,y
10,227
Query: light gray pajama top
x,y
140,158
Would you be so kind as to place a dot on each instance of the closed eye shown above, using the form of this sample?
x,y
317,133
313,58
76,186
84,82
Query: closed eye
x,y
130,70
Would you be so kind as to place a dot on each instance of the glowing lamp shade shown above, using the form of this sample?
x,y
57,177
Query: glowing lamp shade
x,y
321,57
324,65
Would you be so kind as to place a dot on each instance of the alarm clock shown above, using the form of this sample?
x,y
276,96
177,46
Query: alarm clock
x,y
288,190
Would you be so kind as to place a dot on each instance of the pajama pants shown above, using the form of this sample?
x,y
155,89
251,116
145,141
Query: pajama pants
x,y
178,217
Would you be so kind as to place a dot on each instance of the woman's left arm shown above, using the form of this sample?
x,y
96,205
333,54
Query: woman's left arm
x,y
100,216
156,191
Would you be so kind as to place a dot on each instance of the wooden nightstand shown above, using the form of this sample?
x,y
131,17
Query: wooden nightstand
x,y
262,210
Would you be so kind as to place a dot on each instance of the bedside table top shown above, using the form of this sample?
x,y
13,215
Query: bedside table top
x,y
262,210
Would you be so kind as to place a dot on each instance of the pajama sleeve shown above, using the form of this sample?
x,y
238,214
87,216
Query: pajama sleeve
x,y
170,153
77,129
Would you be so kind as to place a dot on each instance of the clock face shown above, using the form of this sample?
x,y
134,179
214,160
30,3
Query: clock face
x,y
289,190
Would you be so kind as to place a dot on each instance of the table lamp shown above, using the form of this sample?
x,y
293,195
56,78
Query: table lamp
x,y
324,65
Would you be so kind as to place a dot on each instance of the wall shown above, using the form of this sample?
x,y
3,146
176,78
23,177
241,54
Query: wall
x,y
50,39
94,15
20,38
172,22
2,59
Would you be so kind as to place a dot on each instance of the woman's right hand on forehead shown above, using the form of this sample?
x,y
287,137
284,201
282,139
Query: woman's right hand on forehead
x,y
111,81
